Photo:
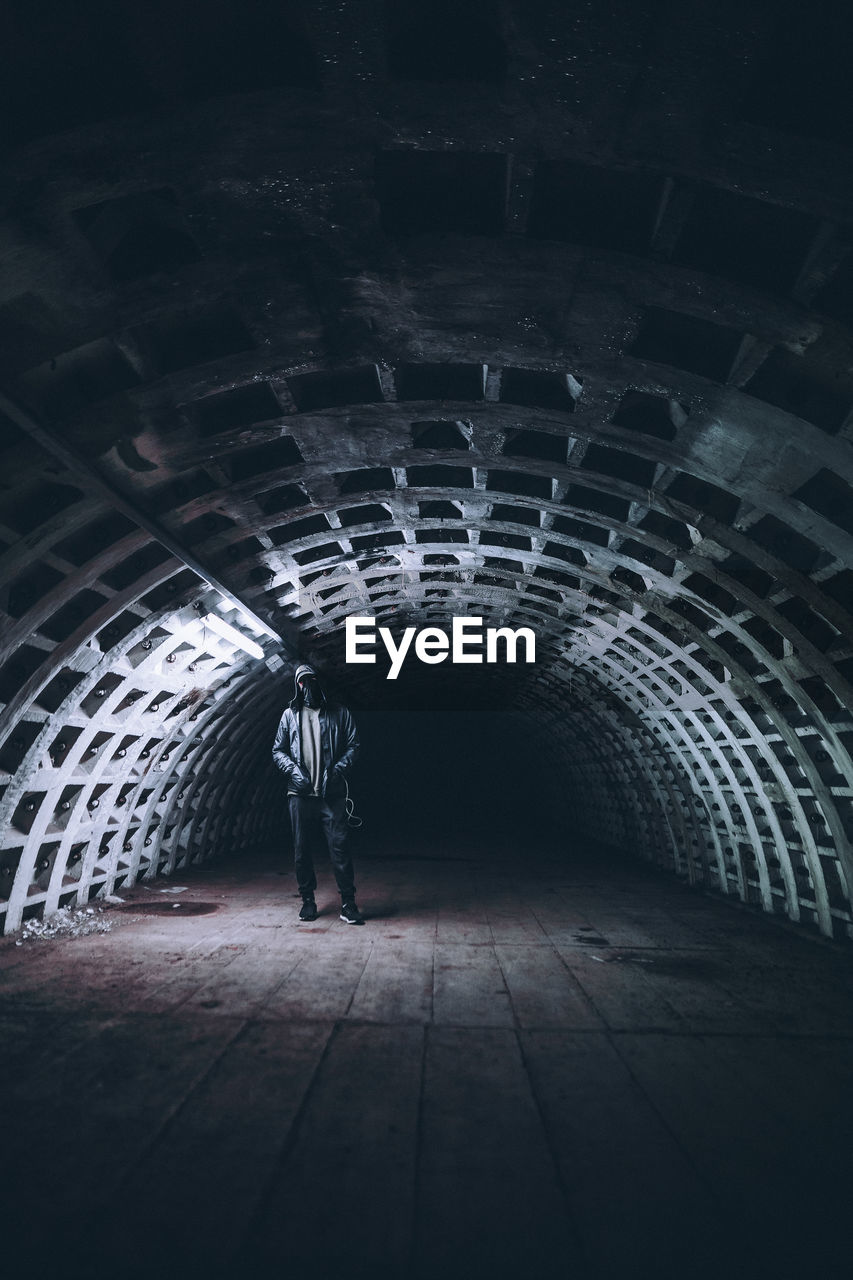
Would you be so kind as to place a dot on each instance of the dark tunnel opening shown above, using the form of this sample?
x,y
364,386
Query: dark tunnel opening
x,y
453,783
448,767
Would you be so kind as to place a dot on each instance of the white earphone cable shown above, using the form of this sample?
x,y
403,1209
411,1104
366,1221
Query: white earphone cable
x,y
353,819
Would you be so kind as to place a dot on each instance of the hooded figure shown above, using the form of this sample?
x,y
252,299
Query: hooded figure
x,y
315,746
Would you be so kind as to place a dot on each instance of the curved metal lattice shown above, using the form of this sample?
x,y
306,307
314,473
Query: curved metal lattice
x,y
357,353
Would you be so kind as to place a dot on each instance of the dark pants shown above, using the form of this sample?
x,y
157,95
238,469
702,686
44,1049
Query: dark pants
x,y
304,812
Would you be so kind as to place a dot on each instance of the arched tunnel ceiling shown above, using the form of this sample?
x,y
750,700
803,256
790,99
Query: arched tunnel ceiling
x,y
525,312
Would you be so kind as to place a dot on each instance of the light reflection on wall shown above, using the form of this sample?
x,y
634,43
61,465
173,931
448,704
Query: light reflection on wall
x,y
133,763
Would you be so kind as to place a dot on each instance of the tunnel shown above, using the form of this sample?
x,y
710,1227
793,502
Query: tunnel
x,y
536,314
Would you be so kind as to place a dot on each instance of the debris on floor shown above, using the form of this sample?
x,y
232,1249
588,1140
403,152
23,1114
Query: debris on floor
x,y
66,923
175,888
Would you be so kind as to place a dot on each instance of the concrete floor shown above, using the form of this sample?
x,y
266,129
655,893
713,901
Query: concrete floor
x,y
519,1066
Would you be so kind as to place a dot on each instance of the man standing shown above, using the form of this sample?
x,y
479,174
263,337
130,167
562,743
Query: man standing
x,y
314,748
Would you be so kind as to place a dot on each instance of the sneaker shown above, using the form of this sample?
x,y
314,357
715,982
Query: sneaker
x,y
351,914
308,910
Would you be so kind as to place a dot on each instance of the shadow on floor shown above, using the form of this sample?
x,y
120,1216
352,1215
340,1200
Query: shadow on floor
x,y
519,1066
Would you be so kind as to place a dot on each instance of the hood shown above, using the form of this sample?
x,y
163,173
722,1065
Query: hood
x,y
304,668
